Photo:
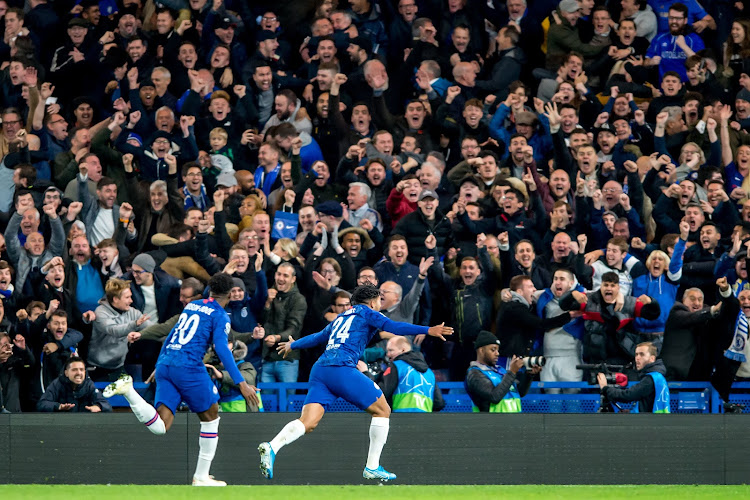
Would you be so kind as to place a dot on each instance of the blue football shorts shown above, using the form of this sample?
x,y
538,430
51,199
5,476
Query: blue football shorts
x,y
330,382
178,383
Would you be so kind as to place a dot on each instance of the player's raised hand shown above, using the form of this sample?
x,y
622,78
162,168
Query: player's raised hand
x,y
284,348
439,331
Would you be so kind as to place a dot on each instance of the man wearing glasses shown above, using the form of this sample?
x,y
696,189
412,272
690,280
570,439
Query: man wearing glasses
x,y
696,15
670,50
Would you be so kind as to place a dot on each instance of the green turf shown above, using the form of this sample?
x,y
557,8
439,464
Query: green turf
x,y
386,492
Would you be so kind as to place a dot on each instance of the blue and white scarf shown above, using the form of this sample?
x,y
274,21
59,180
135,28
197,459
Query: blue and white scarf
x,y
736,350
190,201
265,181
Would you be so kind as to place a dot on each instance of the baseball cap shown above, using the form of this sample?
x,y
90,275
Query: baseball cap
x,y
428,193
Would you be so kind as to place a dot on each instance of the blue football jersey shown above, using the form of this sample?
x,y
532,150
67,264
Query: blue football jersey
x,y
202,323
350,332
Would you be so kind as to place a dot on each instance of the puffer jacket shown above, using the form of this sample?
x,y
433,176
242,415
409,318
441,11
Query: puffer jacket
x,y
416,228
608,334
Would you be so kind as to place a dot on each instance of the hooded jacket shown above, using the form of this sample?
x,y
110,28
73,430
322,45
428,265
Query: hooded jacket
x,y
109,342
228,388
392,377
643,392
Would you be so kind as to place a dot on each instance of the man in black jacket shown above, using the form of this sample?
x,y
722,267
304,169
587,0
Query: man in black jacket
x,y
73,391
414,384
651,393
687,324
13,360
490,387
518,323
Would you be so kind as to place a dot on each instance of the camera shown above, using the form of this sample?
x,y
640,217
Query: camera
x,y
532,361
611,372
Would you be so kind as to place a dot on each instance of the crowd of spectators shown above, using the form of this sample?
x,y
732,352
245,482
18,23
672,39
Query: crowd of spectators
x,y
572,176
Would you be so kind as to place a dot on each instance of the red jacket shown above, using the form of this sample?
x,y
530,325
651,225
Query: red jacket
x,y
398,206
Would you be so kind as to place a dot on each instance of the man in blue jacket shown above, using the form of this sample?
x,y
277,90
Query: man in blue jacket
x,y
73,391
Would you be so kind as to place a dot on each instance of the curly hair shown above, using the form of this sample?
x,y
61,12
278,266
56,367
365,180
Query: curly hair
x,y
364,294
220,284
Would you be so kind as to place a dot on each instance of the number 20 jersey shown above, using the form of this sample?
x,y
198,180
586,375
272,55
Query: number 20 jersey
x,y
202,323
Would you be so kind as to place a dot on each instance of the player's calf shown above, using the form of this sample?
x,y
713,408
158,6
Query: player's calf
x,y
144,412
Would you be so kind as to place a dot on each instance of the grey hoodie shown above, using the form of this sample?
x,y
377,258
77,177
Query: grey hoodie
x,y
109,337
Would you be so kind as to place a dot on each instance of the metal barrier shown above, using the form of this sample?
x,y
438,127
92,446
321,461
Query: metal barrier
x,y
686,397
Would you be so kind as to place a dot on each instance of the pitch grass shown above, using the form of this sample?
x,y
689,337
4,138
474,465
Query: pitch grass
x,y
385,492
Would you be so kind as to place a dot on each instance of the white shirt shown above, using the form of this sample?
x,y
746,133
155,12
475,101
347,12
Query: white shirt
x,y
149,296
104,226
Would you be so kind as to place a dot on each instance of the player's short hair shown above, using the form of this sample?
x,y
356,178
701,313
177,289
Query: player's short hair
x,y
220,284
364,294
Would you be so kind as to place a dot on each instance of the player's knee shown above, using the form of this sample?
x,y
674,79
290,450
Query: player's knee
x,y
383,413
310,426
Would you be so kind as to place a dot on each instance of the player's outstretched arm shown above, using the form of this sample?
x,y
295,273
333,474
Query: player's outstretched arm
x,y
400,328
306,342
284,348
440,331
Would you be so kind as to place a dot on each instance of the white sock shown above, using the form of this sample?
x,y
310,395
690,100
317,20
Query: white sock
x,y
289,434
378,436
145,413
208,441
